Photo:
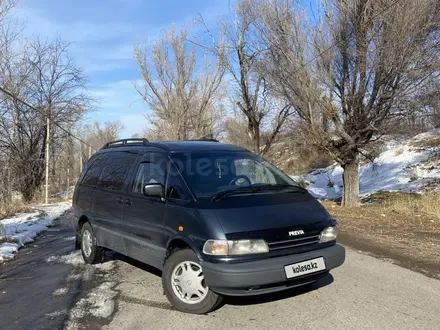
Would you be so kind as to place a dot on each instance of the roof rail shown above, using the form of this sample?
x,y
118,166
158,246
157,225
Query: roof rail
x,y
207,140
126,142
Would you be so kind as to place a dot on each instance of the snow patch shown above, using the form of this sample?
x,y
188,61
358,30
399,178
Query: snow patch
x,y
25,226
98,303
74,258
56,314
60,291
401,167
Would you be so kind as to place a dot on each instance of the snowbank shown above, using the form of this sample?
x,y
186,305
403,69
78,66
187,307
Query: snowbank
x,y
407,166
23,228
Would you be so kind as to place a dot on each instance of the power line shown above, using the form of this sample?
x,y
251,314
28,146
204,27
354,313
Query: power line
x,y
43,114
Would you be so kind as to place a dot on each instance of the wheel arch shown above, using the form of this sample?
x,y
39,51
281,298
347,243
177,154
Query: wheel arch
x,y
81,221
179,242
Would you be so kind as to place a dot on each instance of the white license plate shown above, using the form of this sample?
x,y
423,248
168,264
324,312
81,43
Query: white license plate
x,y
305,267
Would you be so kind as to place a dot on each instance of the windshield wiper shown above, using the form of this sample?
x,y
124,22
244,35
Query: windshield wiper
x,y
289,187
241,190
255,189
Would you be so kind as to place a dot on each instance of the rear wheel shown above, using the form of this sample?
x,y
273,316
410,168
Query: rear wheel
x,y
91,252
184,284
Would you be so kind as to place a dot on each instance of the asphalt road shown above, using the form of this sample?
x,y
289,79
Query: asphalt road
x,y
42,288
365,293
52,291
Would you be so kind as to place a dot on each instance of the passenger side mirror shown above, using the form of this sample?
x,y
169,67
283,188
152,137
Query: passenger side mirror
x,y
154,190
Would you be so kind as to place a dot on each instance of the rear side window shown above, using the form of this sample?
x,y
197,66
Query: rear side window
x,y
92,170
115,169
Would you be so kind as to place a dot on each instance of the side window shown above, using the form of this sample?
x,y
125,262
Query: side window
x,y
151,170
92,170
176,187
115,169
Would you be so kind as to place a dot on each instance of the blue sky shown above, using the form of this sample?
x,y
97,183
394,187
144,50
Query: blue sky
x,y
103,34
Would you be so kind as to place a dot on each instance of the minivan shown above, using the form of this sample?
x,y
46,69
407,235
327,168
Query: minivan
x,y
214,218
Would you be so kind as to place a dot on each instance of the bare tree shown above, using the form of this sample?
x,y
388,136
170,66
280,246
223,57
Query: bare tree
x,y
346,75
181,91
45,77
241,52
98,135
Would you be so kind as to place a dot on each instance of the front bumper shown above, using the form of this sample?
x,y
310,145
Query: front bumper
x,y
268,275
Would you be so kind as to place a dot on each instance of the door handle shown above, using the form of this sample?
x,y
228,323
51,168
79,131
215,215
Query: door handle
x,y
128,202
119,200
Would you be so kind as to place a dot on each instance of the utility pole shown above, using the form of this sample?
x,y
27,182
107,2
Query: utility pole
x,y
68,178
46,195
80,158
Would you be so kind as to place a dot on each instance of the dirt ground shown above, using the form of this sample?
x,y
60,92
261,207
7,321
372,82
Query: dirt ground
x,y
389,231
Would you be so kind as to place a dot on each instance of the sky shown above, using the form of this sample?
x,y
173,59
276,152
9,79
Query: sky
x,y
103,34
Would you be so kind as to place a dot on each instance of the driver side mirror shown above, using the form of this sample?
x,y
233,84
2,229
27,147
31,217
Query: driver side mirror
x,y
154,190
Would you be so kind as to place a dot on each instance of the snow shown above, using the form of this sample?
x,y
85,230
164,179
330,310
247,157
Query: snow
x,y
65,194
73,258
404,166
99,303
23,228
60,291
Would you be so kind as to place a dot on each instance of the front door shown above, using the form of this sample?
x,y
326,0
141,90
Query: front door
x,y
143,217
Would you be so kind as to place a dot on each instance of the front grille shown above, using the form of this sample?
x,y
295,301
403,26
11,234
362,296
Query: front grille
x,y
294,242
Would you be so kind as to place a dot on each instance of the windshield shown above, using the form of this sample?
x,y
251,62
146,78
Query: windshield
x,y
210,173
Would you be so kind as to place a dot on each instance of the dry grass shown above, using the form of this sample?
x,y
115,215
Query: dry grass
x,y
10,209
7,239
404,224
301,182
426,143
398,152
411,204
392,211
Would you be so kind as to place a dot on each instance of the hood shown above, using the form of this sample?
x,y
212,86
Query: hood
x,y
272,216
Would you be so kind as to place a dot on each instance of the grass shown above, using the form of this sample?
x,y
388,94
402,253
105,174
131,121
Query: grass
x,y
427,205
7,239
404,224
9,209
427,143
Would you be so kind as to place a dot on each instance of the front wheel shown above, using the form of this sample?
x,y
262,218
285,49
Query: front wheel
x,y
184,284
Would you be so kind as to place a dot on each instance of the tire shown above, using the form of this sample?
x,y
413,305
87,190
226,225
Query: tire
x,y
180,260
91,252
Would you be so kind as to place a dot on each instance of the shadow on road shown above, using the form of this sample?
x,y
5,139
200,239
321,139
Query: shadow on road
x,y
239,301
281,295
134,263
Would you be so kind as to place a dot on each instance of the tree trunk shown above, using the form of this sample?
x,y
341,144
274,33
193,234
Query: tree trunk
x,y
350,177
257,140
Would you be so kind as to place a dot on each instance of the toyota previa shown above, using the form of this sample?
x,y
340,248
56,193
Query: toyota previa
x,y
216,219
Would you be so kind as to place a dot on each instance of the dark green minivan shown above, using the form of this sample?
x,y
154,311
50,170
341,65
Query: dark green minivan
x,y
215,218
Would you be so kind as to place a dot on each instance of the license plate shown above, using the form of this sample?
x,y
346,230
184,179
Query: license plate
x,y
305,267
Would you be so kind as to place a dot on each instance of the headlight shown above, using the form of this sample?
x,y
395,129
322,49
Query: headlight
x,y
328,234
239,247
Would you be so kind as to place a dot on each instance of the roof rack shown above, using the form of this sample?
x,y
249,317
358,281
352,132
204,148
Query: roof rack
x,y
126,142
207,140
